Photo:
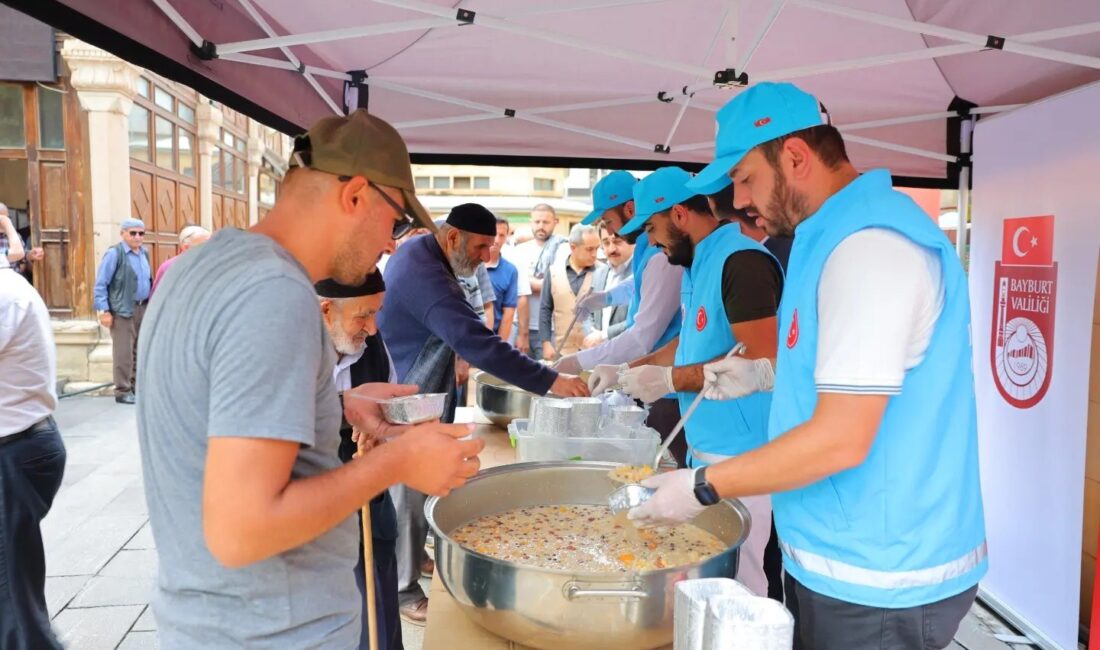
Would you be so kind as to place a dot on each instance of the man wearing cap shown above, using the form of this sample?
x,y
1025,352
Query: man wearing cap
x,y
721,204
566,281
239,419
653,315
730,295
189,236
426,321
873,458
122,288
350,315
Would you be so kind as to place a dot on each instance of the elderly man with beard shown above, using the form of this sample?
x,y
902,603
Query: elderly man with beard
x,y
730,294
873,452
350,315
250,507
425,321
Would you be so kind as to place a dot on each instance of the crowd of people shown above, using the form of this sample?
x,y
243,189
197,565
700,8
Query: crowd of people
x,y
264,352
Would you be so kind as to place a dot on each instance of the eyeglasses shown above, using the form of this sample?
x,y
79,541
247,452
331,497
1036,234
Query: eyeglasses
x,y
405,222
136,233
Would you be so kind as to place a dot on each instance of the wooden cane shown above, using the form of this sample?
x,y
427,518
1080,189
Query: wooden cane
x,y
368,570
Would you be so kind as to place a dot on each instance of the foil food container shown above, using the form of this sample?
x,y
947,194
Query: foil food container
x,y
414,409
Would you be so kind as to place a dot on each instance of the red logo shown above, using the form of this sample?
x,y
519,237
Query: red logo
x,y
1025,288
761,122
792,333
659,199
700,319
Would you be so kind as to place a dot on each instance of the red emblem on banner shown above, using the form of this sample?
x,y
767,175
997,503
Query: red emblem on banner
x,y
792,333
700,319
1025,284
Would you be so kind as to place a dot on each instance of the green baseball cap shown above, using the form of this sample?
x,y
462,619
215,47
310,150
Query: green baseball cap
x,y
361,144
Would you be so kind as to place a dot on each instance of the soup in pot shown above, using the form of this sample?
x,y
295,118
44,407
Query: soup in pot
x,y
584,538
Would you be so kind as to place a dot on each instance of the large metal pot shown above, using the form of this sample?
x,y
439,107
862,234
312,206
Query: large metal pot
x,y
500,401
555,609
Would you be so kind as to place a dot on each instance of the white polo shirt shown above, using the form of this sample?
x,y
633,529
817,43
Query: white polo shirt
x,y
28,383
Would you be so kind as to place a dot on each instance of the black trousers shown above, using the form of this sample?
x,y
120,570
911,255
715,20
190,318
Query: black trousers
x,y
31,468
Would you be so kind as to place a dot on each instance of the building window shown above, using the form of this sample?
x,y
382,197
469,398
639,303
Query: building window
x,y
481,182
51,125
186,144
186,113
578,192
268,185
165,142
462,182
423,182
143,87
164,99
11,116
441,182
139,133
231,175
544,185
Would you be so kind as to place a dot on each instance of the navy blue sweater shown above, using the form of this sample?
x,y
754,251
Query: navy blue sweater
x,y
424,298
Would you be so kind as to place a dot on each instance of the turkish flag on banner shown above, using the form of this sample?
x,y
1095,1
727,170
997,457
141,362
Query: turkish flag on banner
x,y
1028,241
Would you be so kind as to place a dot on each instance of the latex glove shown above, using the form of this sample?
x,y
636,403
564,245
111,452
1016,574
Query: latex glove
x,y
673,503
594,301
736,377
569,364
604,377
648,383
595,338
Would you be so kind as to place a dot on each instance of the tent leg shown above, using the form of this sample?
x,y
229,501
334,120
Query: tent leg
x,y
962,235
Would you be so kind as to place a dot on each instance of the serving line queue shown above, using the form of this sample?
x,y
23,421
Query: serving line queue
x,y
853,406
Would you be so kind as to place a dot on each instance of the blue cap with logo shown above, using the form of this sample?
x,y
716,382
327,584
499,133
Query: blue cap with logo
x,y
759,114
611,191
658,192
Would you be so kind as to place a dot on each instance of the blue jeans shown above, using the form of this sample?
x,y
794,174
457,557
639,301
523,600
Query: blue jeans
x,y
31,468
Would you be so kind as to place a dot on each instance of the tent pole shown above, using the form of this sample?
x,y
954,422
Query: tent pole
x,y
900,148
562,7
264,61
746,56
309,38
179,21
962,237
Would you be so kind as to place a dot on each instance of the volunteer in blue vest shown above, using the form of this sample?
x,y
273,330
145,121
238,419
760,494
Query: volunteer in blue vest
x,y
729,295
653,315
873,458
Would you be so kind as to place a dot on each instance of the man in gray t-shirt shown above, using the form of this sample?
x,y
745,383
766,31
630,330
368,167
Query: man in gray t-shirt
x,y
238,416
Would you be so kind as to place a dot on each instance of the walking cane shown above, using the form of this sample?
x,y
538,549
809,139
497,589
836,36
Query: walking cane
x,y
368,569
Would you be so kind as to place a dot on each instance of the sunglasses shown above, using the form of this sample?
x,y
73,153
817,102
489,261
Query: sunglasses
x,y
136,233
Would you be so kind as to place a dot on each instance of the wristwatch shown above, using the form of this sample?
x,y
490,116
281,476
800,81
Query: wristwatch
x,y
704,491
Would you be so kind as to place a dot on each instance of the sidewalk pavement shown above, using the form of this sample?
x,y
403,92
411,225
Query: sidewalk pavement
x,y
100,560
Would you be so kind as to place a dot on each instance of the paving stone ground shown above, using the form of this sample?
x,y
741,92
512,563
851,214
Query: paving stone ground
x,y
101,562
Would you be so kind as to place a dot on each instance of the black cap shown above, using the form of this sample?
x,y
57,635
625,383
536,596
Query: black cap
x,y
331,289
474,218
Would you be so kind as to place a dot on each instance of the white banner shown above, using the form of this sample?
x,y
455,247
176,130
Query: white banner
x,y
1036,238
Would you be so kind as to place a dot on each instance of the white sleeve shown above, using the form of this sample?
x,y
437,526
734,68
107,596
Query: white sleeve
x,y
878,300
518,260
660,300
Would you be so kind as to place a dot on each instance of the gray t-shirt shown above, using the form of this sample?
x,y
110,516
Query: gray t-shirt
x,y
233,345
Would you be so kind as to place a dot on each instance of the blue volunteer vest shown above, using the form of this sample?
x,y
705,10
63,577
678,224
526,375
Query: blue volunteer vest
x,y
722,427
642,253
905,528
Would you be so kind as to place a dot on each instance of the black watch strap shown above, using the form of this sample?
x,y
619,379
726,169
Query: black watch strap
x,y
704,491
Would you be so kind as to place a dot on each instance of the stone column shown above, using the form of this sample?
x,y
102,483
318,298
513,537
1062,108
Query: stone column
x,y
105,86
255,162
209,122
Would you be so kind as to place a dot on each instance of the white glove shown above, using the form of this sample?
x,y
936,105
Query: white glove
x,y
592,302
595,338
604,377
569,364
673,503
736,377
648,383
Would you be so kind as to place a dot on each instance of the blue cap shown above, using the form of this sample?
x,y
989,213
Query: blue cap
x,y
658,192
613,190
759,114
133,223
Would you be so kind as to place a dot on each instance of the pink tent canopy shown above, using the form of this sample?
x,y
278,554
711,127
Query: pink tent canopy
x,y
604,83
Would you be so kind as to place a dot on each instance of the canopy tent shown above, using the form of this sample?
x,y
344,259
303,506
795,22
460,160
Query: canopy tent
x,y
605,83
